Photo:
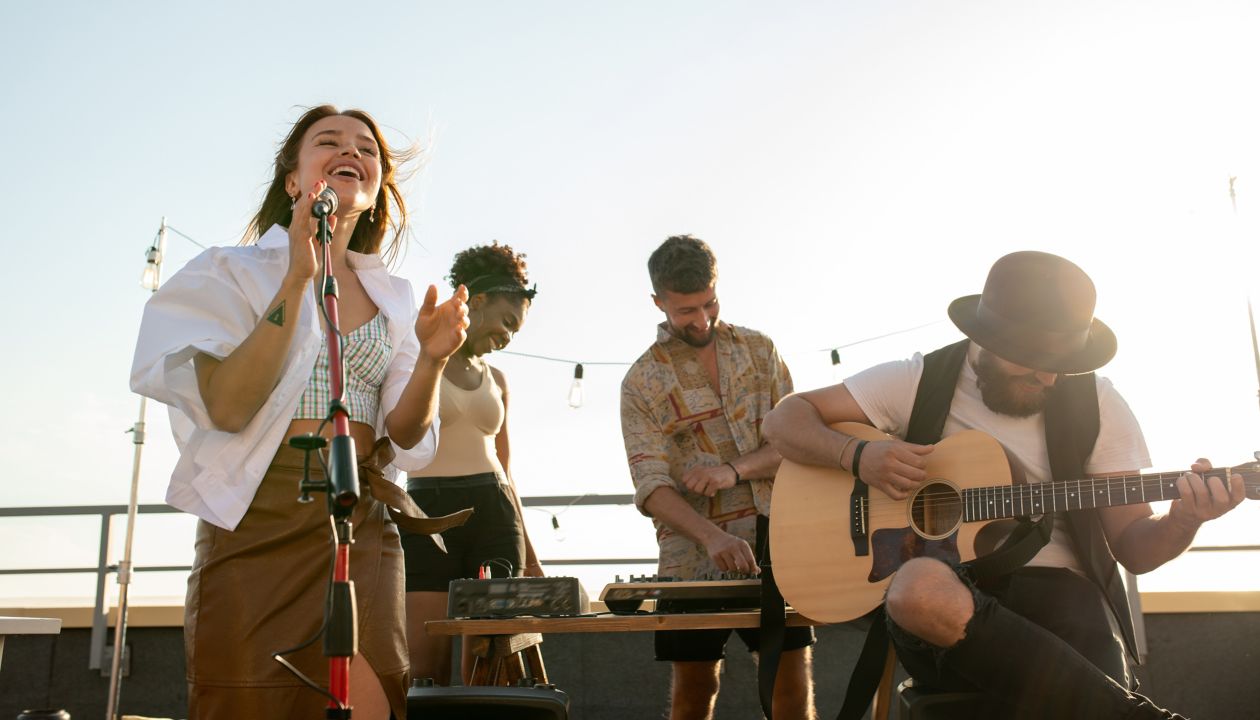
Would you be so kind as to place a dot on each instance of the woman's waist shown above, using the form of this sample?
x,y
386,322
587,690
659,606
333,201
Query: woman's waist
x,y
363,435
438,482
458,460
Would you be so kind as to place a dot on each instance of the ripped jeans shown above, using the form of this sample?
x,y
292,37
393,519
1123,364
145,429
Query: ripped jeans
x,y
1042,643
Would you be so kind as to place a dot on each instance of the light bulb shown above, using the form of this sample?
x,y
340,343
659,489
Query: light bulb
x,y
575,390
152,274
149,280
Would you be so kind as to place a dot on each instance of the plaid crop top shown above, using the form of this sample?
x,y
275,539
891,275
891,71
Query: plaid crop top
x,y
365,353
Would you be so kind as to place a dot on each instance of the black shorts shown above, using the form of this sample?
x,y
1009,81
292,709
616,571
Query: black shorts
x,y
493,535
710,645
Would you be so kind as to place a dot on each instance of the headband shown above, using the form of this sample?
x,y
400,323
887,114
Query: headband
x,y
499,284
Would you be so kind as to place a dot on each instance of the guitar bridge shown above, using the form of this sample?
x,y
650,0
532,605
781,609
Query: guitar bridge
x,y
857,518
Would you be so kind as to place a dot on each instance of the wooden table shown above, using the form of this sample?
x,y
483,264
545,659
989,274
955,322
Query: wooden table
x,y
608,623
27,626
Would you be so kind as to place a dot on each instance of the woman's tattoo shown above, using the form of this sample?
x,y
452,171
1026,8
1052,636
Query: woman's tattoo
x,y
276,317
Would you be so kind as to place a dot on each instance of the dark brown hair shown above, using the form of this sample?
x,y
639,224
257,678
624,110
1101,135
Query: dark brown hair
x,y
682,264
368,235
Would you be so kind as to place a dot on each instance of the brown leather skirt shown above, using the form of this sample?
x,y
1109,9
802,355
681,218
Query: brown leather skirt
x,y
262,588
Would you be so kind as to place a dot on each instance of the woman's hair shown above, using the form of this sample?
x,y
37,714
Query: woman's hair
x,y
493,269
368,234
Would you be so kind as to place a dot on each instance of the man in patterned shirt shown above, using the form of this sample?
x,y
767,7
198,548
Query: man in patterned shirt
x,y
691,411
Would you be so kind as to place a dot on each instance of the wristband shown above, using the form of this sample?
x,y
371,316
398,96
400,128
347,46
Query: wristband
x,y
732,467
857,458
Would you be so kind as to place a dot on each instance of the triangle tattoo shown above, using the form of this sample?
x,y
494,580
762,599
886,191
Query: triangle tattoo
x,y
276,317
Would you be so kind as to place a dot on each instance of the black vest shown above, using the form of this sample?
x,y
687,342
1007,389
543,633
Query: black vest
x,y
1071,415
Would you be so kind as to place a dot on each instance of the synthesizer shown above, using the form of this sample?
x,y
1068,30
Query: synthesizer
x,y
517,596
676,596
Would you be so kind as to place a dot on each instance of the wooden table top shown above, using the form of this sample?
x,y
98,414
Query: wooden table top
x,y
606,622
29,626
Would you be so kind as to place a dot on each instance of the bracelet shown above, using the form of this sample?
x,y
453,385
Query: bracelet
x,y
857,459
845,446
732,467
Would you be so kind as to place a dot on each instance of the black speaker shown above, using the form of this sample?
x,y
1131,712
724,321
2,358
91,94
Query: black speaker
x,y
540,702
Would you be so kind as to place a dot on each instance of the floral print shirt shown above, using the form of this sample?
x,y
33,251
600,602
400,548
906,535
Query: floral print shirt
x,y
672,420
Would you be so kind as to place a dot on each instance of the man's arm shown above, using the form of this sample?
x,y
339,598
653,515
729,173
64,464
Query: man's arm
x,y
728,552
1142,541
798,428
760,464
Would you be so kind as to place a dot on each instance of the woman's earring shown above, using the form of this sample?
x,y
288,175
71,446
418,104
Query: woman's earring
x,y
372,214
292,204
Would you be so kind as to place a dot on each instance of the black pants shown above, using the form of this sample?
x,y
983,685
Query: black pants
x,y
1041,644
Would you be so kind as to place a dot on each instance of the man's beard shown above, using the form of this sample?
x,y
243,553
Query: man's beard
x,y
1001,392
695,340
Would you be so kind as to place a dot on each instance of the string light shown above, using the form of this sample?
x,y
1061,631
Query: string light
x,y
151,278
152,274
576,396
575,390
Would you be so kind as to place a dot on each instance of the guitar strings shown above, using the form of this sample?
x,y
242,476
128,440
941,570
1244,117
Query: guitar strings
x,y
1023,496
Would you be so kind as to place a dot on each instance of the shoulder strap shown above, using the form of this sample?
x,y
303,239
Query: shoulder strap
x,y
1071,425
935,393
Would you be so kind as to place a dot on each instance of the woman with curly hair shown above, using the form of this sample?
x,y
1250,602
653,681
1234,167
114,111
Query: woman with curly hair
x,y
471,468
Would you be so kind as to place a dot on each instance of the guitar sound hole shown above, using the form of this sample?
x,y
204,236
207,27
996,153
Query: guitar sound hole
x,y
935,510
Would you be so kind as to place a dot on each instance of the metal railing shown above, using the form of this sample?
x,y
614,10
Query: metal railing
x,y
103,569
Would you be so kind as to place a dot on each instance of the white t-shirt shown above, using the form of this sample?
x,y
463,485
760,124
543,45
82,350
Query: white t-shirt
x,y
886,394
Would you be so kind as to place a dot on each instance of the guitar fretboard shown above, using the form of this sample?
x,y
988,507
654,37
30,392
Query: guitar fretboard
x,y
1008,501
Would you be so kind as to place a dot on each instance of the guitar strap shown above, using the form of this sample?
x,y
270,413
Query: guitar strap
x,y
1071,429
773,629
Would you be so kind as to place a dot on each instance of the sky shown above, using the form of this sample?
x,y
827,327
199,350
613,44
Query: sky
x,y
855,166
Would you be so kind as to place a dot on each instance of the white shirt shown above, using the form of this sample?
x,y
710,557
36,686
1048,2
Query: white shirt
x,y
886,394
210,306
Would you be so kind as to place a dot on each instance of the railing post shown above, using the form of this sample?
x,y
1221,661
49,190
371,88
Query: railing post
x,y
100,612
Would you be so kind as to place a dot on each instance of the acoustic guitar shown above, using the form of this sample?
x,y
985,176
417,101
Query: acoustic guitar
x,y
835,543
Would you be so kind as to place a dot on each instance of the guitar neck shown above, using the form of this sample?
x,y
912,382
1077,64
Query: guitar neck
x,y
1008,501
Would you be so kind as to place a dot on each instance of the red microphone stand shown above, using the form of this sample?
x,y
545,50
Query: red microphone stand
x,y
341,640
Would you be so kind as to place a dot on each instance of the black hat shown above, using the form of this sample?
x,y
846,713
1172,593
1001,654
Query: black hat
x,y
1037,310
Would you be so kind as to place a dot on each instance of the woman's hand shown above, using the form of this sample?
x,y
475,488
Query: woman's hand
x,y
303,262
442,329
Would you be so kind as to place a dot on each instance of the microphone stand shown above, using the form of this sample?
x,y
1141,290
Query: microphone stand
x,y
341,640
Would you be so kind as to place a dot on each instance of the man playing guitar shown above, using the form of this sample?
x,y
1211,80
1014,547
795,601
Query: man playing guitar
x,y
1052,638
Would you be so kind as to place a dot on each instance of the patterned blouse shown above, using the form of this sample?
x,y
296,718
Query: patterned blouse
x,y
365,352
673,421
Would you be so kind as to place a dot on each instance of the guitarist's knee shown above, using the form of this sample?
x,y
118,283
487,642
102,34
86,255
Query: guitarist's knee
x,y
928,600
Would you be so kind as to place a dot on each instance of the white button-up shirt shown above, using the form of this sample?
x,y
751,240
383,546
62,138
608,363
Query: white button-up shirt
x,y
210,306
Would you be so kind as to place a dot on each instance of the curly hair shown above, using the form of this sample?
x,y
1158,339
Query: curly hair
x,y
682,264
492,261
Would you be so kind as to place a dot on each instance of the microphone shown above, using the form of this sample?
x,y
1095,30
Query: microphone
x,y
325,203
